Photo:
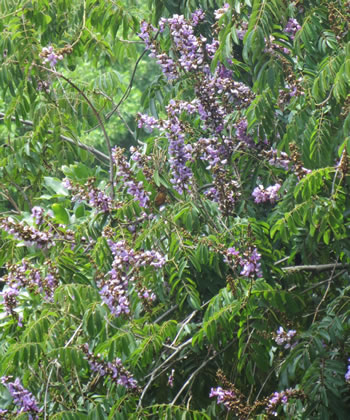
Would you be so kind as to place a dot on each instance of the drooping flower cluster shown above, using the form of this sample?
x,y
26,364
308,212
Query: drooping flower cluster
x,y
285,337
220,12
134,188
249,261
292,27
347,375
22,398
26,275
262,195
38,213
280,160
223,396
95,198
126,264
241,133
282,397
115,370
28,234
49,56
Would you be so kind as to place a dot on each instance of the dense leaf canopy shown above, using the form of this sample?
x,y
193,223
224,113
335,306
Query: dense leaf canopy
x,y
174,209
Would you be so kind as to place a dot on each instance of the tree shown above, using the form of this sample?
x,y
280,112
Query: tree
x,y
202,272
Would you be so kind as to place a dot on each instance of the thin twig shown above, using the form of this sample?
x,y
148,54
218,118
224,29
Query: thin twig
x,y
324,296
99,119
193,374
83,146
315,268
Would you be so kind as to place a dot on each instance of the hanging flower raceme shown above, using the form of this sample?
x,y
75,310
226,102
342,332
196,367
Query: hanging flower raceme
x,y
281,398
134,188
127,263
262,195
285,337
22,398
248,261
115,370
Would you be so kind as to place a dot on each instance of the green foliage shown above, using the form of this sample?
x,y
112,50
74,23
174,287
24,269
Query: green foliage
x,y
210,324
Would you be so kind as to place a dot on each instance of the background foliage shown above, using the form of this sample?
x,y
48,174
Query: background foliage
x,y
220,323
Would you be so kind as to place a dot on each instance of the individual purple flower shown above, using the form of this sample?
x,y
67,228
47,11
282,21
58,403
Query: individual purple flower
x,y
249,261
171,378
278,398
220,12
197,16
347,375
241,133
22,398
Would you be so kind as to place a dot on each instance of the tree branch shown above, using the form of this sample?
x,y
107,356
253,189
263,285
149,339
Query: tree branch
x,y
83,146
315,268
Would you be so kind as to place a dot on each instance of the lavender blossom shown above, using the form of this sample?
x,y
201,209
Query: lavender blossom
x,y
171,378
279,398
292,27
249,261
22,398
262,195
220,12
134,188
285,338
37,214
347,375
115,370
223,396
49,56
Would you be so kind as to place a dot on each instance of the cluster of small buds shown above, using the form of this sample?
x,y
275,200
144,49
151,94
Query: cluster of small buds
x,y
262,195
115,370
37,214
292,27
134,188
220,12
22,398
126,263
28,234
249,261
298,167
142,161
95,198
49,56
171,378
282,397
285,337
347,375
43,85
146,295
280,160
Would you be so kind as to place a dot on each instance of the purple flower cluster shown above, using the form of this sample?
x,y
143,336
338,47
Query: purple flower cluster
x,y
22,398
223,396
136,189
347,375
28,234
25,275
280,161
241,133
171,378
262,195
285,338
49,56
279,398
292,27
96,198
115,370
249,261
126,263
220,12
37,214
